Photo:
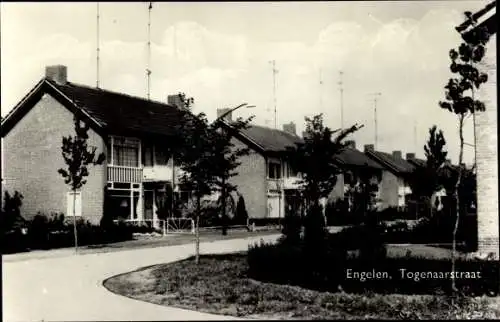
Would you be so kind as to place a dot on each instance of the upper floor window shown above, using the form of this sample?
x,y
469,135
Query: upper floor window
x,y
125,152
162,155
274,170
147,155
291,171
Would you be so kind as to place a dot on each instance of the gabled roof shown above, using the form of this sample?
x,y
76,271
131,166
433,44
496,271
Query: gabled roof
x,y
398,166
356,158
267,140
417,162
109,111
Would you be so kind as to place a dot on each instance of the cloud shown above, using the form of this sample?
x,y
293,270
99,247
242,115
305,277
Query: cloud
x,y
406,59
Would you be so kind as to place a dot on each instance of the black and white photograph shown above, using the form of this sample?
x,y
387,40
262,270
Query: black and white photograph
x,y
288,160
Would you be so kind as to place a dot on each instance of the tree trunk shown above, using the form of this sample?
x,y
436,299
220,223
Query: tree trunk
x,y
74,221
457,205
197,231
224,217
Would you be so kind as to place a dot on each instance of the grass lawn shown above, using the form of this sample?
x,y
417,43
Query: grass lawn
x,y
220,285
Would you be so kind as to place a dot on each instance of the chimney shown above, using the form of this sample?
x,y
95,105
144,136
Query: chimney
x,y
369,147
351,144
290,128
410,156
57,73
222,111
175,100
397,154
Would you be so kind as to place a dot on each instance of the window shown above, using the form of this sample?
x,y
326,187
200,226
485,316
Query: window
x,y
147,155
291,172
125,152
162,155
76,199
274,170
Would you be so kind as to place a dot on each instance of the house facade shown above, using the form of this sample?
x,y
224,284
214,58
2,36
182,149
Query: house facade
x,y
394,187
264,177
355,166
137,136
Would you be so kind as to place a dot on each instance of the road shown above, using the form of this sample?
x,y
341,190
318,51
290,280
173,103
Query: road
x,y
69,288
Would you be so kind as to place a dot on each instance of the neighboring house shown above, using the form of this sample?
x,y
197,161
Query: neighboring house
x,y
136,135
394,186
355,164
265,178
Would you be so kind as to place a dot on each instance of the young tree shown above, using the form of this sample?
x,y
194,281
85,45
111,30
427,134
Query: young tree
x,y
426,180
460,98
196,157
78,156
225,161
314,159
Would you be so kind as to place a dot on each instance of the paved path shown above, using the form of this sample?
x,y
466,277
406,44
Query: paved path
x,y
69,288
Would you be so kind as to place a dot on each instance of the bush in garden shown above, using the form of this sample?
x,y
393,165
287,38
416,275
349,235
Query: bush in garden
x,y
292,228
241,216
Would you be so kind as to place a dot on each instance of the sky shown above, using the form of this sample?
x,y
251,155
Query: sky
x,y
220,54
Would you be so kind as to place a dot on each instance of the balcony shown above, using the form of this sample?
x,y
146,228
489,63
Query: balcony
x,y
158,173
291,183
274,185
118,173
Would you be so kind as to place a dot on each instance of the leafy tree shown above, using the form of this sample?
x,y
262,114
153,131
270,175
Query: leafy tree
x,y
314,159
11,212
225,161
196,161
78,156
428,179
362,191
460,98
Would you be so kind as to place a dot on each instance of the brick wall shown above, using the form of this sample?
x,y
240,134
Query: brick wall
x,y
32,156
251,181
487,159
388,190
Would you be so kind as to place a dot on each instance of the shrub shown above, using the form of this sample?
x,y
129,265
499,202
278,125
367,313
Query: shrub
x,y
241,216
292,228
287,264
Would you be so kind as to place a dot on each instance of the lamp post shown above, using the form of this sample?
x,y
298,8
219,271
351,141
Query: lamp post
x,y
223,193
232,110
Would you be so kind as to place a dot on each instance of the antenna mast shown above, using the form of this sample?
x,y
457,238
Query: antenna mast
x,y
375,100
321,89
341,83
148,70
275,71
97,49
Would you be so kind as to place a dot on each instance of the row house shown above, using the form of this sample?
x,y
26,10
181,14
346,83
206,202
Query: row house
x,y
394,186
138,137
266,180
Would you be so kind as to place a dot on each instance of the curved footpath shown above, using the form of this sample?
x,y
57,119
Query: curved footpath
x,y
70,288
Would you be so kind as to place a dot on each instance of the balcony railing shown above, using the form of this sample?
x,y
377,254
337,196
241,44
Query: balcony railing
x,y
274,185
124,174
291,183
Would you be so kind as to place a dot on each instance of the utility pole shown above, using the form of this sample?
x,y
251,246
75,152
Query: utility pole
x,y
148,70
97,49
341,88
275,71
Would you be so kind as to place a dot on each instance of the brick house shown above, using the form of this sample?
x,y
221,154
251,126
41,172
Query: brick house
x,y
268,182
136,135
394,186
355,164
265,178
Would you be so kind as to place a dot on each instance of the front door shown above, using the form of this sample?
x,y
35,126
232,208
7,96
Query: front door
x,y
148,205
